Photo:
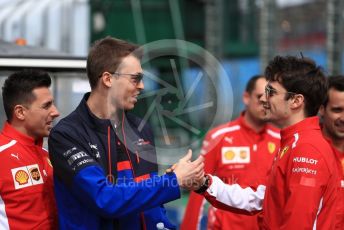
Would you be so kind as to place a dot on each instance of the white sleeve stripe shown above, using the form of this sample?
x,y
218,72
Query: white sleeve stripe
x,y
273,133
6,146
3,217
225,130
235,196
319,209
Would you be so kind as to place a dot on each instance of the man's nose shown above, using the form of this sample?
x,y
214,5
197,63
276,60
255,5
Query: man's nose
x,y
55,112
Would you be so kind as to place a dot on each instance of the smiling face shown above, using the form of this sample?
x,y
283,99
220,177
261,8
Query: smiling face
x,y
277,104
38,116
254,107
333,115
125,87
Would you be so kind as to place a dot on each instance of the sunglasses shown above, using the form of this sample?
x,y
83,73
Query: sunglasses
x,y
134,78
269,91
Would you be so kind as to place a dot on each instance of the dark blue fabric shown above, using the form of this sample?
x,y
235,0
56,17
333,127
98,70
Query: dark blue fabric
x,y
78,147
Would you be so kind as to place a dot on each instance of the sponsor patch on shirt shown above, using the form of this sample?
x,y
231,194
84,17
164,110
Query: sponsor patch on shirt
x,y
309,182
271,147
26,176
233,155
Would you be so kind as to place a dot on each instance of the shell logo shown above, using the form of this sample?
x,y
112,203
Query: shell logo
x,y
243,154
229,155
21,177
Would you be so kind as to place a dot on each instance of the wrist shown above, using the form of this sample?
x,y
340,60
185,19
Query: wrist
x,y
205,185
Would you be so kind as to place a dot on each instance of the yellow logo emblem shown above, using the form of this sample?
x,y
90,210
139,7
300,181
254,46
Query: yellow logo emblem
x,y
229,155
271,147
243,154
285,149
21,177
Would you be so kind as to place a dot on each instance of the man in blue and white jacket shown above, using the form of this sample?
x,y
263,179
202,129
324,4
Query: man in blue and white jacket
x,y
105,167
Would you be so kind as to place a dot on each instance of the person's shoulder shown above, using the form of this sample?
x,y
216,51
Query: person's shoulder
x,y
69,124
273,131
223,129
7,144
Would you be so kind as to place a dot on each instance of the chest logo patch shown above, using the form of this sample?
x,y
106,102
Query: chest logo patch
x,y
26,176
21,177
271,147
234,155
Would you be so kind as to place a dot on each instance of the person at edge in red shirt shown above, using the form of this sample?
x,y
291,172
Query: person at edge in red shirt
x,y
302,190
26,175
240,151
332,114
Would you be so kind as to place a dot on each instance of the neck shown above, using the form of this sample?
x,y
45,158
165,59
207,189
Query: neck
x,y
254,124
293,119
100,106
337,143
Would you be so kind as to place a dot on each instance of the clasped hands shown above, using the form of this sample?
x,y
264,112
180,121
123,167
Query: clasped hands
x,y
190,174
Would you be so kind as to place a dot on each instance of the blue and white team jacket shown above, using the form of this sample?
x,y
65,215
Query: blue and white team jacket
x,y
106,178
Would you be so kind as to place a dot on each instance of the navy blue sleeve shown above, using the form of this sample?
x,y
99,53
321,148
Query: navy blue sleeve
x,y
120,200
76,167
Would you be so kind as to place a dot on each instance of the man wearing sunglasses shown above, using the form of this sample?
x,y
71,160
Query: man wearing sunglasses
x,y
240,151
302,186
105,164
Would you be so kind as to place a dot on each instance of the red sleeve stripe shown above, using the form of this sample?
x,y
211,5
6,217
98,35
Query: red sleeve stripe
x,y
141,178
123,165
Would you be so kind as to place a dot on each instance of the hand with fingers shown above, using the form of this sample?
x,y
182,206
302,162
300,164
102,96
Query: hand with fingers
x,y
189,173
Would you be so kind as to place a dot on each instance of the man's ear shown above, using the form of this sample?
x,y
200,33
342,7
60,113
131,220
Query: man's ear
x,y
106,79
246,98
322,110
19,112
298,100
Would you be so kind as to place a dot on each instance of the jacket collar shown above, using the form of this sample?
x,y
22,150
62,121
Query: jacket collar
x,y
11,132
310,123
243,124
92,120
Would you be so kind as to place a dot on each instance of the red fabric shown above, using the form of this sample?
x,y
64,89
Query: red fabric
x,y
302,187
340,200
255,154
26,183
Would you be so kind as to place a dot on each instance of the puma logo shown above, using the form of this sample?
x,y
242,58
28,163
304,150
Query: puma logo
x,y
15,156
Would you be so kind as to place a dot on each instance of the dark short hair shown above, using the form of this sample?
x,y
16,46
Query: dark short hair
x,y
251,84
334,82
301,76
106,54
18,88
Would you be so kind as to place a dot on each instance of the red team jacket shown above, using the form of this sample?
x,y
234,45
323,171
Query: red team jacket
x,y
237,154
340,202
302,187
26,183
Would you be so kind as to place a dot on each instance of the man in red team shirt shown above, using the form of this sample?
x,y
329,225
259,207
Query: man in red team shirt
x,y
332,113
240,151
26,175
302,187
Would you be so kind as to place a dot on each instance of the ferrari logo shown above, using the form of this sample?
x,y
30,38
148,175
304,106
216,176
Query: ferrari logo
x,y
271,147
